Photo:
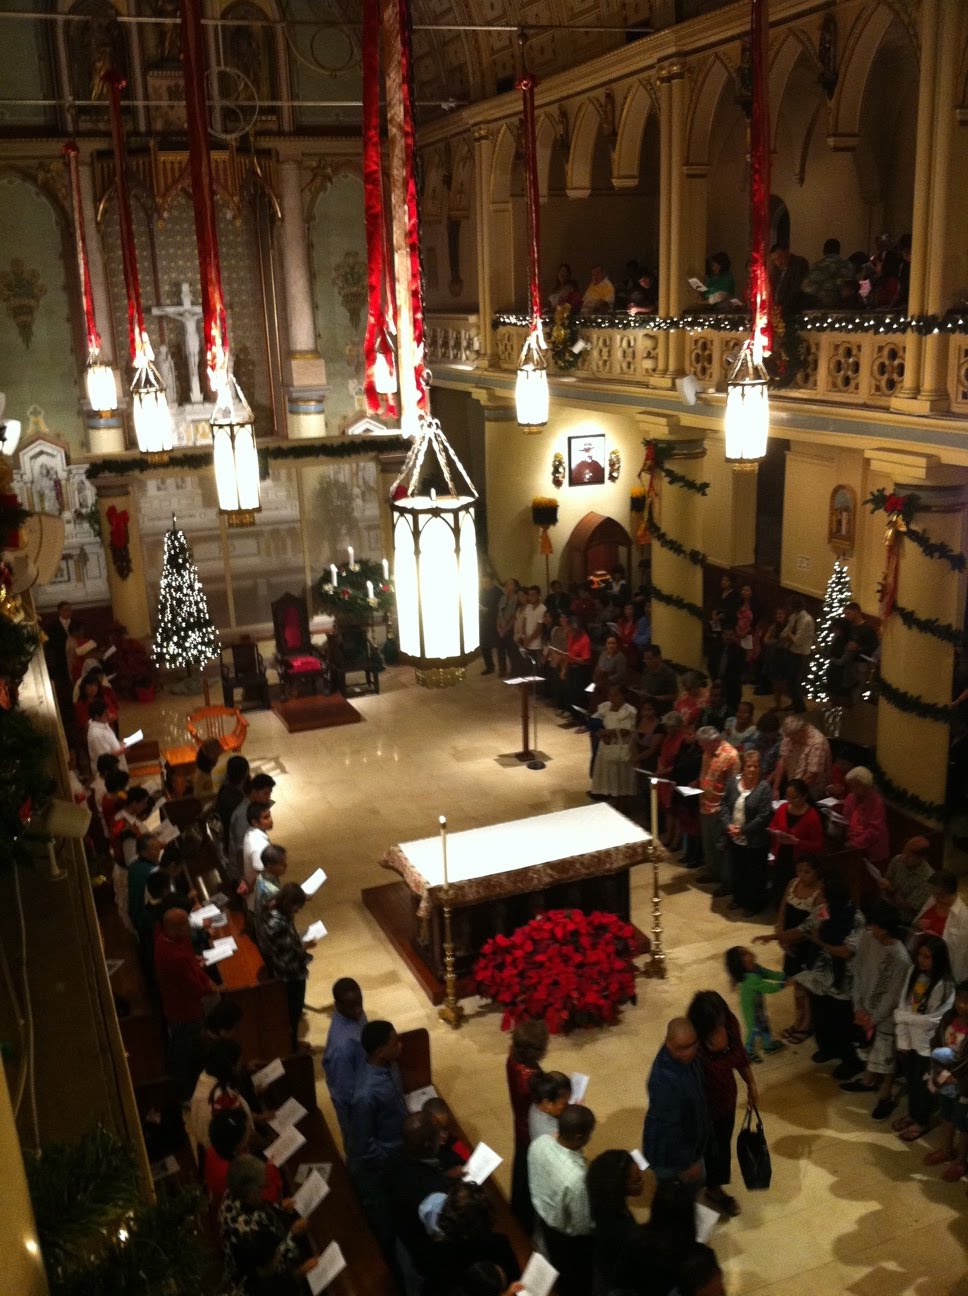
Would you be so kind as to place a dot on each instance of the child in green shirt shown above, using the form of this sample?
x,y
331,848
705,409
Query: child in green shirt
x,y
754,982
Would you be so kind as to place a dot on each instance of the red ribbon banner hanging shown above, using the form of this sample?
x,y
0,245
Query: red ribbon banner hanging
x,y
80,245
526,85
203,191
129,256
372,201
760,293
413,232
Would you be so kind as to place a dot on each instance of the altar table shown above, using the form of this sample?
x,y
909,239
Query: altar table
x,y
502,875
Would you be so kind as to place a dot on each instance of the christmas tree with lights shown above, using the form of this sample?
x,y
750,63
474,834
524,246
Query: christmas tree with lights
x,y
186,634
835,601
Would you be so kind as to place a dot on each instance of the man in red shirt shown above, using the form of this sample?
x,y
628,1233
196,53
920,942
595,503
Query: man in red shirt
x,y
184,987
720,762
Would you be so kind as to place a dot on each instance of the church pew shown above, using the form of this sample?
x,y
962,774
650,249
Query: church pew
x,y
339,1218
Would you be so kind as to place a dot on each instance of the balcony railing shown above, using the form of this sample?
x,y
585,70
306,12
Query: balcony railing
x,y
453,339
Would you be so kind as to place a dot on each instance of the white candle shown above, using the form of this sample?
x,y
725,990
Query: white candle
x,y
333,573
369,589
655,809
350,550
386,570
443,843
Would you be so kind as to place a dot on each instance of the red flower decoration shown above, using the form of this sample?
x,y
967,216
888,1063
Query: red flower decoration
x,y
567,967
119,540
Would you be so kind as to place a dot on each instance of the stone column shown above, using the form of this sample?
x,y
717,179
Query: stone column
x,y
665,226
306,369
923,169
129,597
680,514
483,158
913,752
105,432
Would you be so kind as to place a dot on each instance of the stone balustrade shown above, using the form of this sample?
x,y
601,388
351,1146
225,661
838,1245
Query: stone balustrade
x,y
453,339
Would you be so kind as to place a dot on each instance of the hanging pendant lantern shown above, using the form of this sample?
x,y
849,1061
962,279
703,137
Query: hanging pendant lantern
x,y
747,423
235,456
435,561
385,368
149,406
99,382
531,385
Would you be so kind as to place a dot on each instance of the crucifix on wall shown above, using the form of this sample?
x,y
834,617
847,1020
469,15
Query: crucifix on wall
x,y
188,316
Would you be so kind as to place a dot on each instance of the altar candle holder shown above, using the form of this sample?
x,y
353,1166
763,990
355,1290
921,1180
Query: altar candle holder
x,y
657,967
450,1011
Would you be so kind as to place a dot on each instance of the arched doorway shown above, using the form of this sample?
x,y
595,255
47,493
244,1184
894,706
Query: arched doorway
x,y
596,544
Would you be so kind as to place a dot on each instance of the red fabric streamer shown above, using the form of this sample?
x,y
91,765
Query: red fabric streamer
x,y
759,285
413,231
203,191
526,85
372,201
115,83
80,245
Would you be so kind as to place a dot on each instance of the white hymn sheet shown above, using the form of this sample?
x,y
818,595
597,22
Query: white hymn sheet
x,y
689,791
108,652
289,1141
417,1097
313,882
315,932
323,1168
217,954
136,737
167,832
312,1192
639,1159
153,822
538,1277
290,1113
697,284
271,1071
481,1164
579,1086
525,679
706,1220
329,1265
829,802
197,917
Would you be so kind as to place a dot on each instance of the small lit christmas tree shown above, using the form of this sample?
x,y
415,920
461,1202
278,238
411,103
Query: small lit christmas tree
x,y
186,634
835,601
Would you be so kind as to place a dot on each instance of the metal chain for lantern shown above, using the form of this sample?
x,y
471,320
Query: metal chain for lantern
x,y
531,386
747,421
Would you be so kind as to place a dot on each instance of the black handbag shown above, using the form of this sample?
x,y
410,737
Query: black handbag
x,y
753,1154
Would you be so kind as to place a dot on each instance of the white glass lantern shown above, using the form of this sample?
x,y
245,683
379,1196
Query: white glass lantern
x,y
747,422
235,455
384,372
149,408
435,566
102,390
531,387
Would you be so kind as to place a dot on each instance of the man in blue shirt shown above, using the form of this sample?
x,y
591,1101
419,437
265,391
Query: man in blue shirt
x,y
376,1127
677,1125
343,1056
143,864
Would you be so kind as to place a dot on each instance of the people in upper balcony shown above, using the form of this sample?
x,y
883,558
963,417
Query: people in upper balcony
x,y
599,296
903,273
630,281
565,291
644,297
787,273
720,283
832,280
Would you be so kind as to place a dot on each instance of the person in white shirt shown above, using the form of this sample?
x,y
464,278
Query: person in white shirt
x,y
798,638
599,295
101,738
259,818
556,1175
532,619
260,791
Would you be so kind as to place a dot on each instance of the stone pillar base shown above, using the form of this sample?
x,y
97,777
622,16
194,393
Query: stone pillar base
x,y
926,403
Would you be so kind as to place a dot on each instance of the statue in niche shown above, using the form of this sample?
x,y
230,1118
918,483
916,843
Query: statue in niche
x,y
166,37
249,48
744,80
94,48
166,367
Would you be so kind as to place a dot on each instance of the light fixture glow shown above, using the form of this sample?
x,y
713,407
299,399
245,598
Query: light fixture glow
x,y
102,390
435,565
747,421
235,456
531,387
384,373
149,407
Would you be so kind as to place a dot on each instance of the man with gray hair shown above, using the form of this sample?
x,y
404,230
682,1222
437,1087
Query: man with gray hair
x,y
804,754
720,762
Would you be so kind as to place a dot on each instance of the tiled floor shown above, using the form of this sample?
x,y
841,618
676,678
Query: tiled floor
x,y
850,1210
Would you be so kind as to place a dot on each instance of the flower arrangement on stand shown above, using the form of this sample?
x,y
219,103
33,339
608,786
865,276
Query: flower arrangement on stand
x,y
564,967
356,590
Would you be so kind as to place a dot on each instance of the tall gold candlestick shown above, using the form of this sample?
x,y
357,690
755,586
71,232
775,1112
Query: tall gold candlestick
x,y
450,1011
658,966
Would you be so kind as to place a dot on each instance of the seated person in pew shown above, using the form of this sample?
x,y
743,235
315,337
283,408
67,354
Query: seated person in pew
x,y
343,1056
244,1212
260,1274
412,1176
229,1133
452,1153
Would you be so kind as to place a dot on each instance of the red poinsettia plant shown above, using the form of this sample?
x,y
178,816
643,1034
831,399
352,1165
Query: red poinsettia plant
x,y
565,967
119,541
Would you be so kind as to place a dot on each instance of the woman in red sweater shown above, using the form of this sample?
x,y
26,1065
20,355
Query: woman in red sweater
x,y
797,830
529,1044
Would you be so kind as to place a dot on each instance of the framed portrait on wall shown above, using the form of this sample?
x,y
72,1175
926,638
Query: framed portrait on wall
x,y
842,523
586,460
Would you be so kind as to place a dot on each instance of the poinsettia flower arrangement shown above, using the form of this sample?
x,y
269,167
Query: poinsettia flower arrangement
x,y
565,967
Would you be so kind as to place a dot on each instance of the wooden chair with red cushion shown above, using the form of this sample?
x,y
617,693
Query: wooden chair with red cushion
x,y
298,660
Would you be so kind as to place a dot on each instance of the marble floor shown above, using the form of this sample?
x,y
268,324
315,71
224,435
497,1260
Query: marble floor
x,y
851,1209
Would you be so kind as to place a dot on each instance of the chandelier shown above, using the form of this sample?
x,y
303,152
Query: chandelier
x,y
235,455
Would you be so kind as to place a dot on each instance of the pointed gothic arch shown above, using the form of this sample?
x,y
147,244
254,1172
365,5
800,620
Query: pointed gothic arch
x,y
627,159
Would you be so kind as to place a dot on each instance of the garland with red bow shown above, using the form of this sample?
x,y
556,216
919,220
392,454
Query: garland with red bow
x,y
70,152
119,540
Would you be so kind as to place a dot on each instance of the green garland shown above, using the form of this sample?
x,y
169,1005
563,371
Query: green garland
x,y
666,541
562,337
882,501
25,780
661,451
905,800
19,640
676,601
337,448
913,704
349,593
817,321
930,626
